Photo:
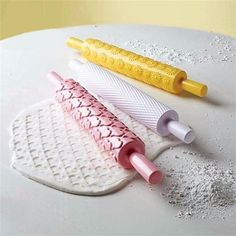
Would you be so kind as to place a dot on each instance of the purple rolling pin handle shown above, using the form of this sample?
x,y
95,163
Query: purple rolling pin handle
x,y
93,116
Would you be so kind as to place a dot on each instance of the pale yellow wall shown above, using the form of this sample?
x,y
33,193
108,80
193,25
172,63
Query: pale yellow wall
x,y
19,16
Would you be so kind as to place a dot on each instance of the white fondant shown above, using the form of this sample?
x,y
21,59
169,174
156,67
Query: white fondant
x,y
50,148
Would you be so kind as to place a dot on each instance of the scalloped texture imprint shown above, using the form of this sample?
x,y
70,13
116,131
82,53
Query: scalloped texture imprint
x,y
133,65
49,147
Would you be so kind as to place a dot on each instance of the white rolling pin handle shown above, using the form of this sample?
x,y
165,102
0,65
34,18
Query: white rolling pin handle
x,y
181,131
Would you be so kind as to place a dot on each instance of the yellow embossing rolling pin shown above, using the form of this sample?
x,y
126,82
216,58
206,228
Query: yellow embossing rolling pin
x,y
142,68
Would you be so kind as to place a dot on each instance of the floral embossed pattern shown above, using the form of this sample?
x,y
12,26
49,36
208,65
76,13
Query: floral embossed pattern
x,y
133,65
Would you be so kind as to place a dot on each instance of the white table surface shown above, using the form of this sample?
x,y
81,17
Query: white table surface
x,y
29,208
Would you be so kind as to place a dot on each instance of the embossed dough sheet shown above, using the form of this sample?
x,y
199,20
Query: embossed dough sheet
x,y
49,147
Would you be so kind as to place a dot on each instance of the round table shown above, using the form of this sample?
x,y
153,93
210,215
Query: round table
x,y
29,208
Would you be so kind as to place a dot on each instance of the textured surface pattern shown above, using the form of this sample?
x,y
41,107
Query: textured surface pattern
x,y
110,134
126,97
133,65
50,148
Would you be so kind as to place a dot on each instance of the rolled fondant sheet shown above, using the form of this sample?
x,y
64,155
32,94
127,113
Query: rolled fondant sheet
x,y
49,147
142,107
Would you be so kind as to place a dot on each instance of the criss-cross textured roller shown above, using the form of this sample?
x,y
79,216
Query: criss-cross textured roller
x,y
142,107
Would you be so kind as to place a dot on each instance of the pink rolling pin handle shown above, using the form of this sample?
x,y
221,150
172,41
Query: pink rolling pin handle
x,y
109,133
55,79
145,168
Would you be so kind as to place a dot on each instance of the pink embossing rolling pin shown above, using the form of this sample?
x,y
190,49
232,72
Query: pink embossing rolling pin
x,y
139,105
109,133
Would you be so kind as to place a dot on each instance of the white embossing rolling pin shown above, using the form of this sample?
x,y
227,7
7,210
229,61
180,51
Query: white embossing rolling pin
x,y
142,107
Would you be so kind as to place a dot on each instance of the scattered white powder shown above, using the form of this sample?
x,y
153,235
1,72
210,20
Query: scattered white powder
x,y
221,50
195,186
198,187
